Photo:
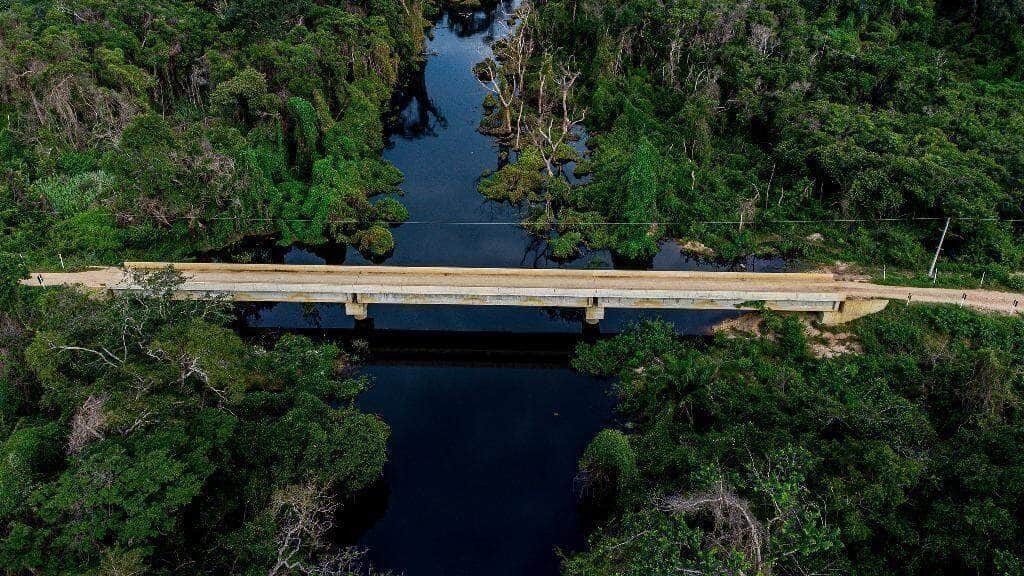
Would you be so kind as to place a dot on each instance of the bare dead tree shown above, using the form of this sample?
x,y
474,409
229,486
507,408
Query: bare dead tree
x,y
507,80
348,561
521,49
72,104
625,49
198,80
734,525
748,208
150,301
675,48
490,77
558,117
762,39
189,366
87,424
304,515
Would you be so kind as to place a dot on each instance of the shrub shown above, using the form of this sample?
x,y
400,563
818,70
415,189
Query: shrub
x,y
375,241
608,465
92,233
391,211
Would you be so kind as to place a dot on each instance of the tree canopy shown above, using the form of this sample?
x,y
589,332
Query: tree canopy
x,y
160,128
756,114
766,454
141,434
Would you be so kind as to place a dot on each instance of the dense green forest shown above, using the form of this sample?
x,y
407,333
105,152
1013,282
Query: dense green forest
x,y
140,435
162,127
712,120
756,455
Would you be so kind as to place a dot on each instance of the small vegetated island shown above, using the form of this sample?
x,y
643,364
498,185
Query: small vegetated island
x,y
142,435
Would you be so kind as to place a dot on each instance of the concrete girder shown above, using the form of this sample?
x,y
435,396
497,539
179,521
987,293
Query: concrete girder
x,y
592,290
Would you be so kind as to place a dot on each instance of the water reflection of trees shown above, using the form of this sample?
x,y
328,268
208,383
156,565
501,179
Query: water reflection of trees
x,y
465,22
417,115
269,250
361,512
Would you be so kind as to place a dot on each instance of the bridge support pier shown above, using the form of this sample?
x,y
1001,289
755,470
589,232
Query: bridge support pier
x,y
595,312
356,309
363,328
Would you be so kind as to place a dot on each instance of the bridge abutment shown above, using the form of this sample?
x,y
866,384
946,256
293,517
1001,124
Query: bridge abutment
x,y
851,310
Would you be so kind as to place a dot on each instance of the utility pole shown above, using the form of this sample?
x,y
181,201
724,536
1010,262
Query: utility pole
x,y
931,271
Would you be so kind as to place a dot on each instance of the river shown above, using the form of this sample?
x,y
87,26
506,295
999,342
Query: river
x,y
487,419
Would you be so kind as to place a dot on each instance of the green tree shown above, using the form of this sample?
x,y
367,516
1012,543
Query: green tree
x,y
151,436
903,457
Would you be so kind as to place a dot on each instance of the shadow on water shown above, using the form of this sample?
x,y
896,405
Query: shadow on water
x,y
472,319
376,347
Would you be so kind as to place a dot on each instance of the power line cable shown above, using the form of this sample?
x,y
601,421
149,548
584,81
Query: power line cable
x,y
598,223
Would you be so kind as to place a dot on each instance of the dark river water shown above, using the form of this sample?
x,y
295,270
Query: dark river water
x,y
487,419
482,465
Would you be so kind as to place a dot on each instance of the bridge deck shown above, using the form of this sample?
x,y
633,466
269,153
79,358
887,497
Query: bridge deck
x,y
595,290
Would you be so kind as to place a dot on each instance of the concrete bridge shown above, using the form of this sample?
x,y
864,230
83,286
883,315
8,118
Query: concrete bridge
x,y
357,287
